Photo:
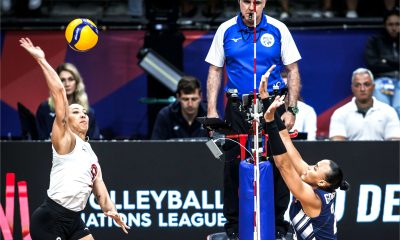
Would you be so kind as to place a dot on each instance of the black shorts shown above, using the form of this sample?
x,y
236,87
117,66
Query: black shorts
x,y
54,222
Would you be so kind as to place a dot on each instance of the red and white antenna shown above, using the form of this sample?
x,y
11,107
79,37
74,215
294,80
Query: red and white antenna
x,y
256,181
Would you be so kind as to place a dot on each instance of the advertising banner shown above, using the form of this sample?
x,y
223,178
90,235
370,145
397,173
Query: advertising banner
x,y
173,190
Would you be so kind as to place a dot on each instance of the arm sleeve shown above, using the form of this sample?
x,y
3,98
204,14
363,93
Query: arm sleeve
x,y
216,53
289,51
160,129
311,124
392,128
374,58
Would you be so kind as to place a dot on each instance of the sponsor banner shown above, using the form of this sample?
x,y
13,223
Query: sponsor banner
x,y
173,190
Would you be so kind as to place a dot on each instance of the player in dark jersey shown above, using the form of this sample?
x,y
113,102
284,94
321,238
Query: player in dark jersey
x,y
312,211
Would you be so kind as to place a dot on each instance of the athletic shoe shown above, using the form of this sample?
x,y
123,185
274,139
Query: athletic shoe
x,y
327,14
316,14
351,14
284,15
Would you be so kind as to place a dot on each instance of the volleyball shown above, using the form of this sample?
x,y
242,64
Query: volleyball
x,y
81,34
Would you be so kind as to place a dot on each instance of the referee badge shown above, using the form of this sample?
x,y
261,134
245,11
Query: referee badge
x,y
267,40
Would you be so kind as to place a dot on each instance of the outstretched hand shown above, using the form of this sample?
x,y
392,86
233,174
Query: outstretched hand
x,y
270,113
117,218
262,89
36,52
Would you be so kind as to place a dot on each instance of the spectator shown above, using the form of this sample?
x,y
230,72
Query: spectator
x,y
178,120
326,10
188,8
382,57
391,4
75,90
353,4
306,120
364,118
211,9
27,6
233,46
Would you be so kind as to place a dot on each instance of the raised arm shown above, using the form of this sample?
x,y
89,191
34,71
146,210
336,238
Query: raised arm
x,y
286,158
213,86
61,137
107,206
299,164
294,156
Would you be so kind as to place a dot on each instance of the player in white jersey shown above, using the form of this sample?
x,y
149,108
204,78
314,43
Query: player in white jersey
x,y
75,171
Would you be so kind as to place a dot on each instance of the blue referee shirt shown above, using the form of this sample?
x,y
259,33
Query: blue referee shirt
x,y
233,45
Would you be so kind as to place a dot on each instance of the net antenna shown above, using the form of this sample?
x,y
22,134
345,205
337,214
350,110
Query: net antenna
x,y
256,138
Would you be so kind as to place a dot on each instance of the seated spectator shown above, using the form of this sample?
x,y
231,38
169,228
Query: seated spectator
x,y
352,6
364,118
211,9
306,118
188,8
382,57
325,10
20,8
75,90
178,120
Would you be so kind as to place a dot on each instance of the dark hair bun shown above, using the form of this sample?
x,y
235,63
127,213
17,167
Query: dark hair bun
x,y
344,185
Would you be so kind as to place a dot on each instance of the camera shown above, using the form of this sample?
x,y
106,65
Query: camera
x,y
245,106
232,94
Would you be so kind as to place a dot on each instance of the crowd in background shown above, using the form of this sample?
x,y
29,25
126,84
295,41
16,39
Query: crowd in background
x,y
195,9
381,54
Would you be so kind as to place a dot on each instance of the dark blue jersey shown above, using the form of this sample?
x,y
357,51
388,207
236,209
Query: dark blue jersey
x,y
322,227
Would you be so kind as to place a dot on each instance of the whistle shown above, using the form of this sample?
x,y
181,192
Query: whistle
x,y
250,16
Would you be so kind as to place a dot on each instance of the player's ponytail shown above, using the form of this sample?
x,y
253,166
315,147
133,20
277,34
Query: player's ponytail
x,y
335,178
344,185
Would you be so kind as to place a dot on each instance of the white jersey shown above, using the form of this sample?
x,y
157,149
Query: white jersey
x,y
72,176
379,123
306,120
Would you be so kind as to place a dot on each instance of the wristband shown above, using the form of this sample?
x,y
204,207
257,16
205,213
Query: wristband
x,y
274,139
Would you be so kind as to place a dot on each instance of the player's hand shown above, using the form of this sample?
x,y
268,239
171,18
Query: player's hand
x,y
262,89
36,52
117,218
289,119
269,114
